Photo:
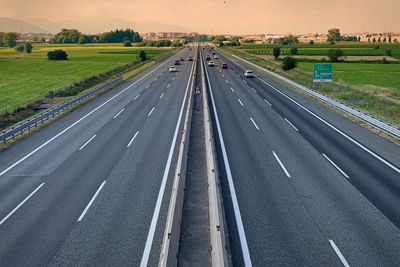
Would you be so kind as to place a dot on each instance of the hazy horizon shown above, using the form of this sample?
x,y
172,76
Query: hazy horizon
x,y
208,16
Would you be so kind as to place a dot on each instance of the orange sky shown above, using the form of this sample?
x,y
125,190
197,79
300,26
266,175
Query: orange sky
x,y
217,16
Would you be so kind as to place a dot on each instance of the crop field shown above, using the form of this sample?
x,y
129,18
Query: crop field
x,y
322,49
25,77
365,75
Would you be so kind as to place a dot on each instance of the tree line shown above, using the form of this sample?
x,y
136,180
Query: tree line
x,y
8,39
66,36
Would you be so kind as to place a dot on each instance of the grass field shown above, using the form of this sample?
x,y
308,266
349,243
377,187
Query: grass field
x,y
364,75
322,49
24,77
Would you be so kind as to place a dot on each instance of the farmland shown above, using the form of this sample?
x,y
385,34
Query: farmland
x,y
25,77
322,49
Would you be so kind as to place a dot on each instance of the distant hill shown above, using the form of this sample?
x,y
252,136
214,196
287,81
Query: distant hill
x,y
14,25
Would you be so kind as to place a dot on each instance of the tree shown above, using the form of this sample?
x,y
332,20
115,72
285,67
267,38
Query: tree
x,y
289,63
294,51
388,52
311,42
384,40
82,39
276,52
67,36
379,39
374,40
289,39
8,39
390,39
142,55
176,43
334,35
19,48
57,55
28,48
127,43
136,38
335,54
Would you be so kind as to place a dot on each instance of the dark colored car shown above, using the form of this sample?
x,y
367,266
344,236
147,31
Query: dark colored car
x,y
177,62
197,90
224,66
208,57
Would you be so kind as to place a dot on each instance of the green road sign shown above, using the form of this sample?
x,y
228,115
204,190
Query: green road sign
x,y
322,73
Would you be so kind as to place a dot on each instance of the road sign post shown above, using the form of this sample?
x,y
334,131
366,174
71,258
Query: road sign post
x,y
322,73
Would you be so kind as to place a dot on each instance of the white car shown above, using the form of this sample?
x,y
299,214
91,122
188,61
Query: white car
x,y
211,64
248,74
172,69
216,57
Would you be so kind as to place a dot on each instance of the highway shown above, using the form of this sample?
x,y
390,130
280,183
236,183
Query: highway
x,y
89,188
302,185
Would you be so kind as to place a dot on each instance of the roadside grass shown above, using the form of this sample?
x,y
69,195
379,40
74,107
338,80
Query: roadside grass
x,y
26,77
377,85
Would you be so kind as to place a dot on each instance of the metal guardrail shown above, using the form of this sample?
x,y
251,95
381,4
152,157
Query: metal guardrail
x,y
32,122
363,116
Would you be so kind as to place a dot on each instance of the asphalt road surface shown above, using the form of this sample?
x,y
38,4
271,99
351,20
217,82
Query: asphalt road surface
x,y
85,189
302,185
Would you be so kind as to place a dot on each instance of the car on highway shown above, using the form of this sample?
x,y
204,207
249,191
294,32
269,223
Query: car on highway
x,y
190,58
197,90
177,62
216,57
213,53
248,74
224,66
208,57
211,63
182,59
172,69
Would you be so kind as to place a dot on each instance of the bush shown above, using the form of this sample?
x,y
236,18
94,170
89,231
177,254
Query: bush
x,y
311,42
142,55
294,51
335,54
19,48
127,43
377,47
289,63
57,55
28,48
388,52
276,52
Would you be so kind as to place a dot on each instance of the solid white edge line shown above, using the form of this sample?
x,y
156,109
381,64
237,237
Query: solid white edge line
x,y
91,201
76,122
336,166
151,111
328,124
122,110
87,142
339,254
153,224
162,95
20,204
232,90
336,129
238,216
240,102
133,138
281,164
291,124
268,102
254,123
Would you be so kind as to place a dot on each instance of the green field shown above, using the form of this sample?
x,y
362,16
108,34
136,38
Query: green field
x,y
322,49
24,77
361,74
